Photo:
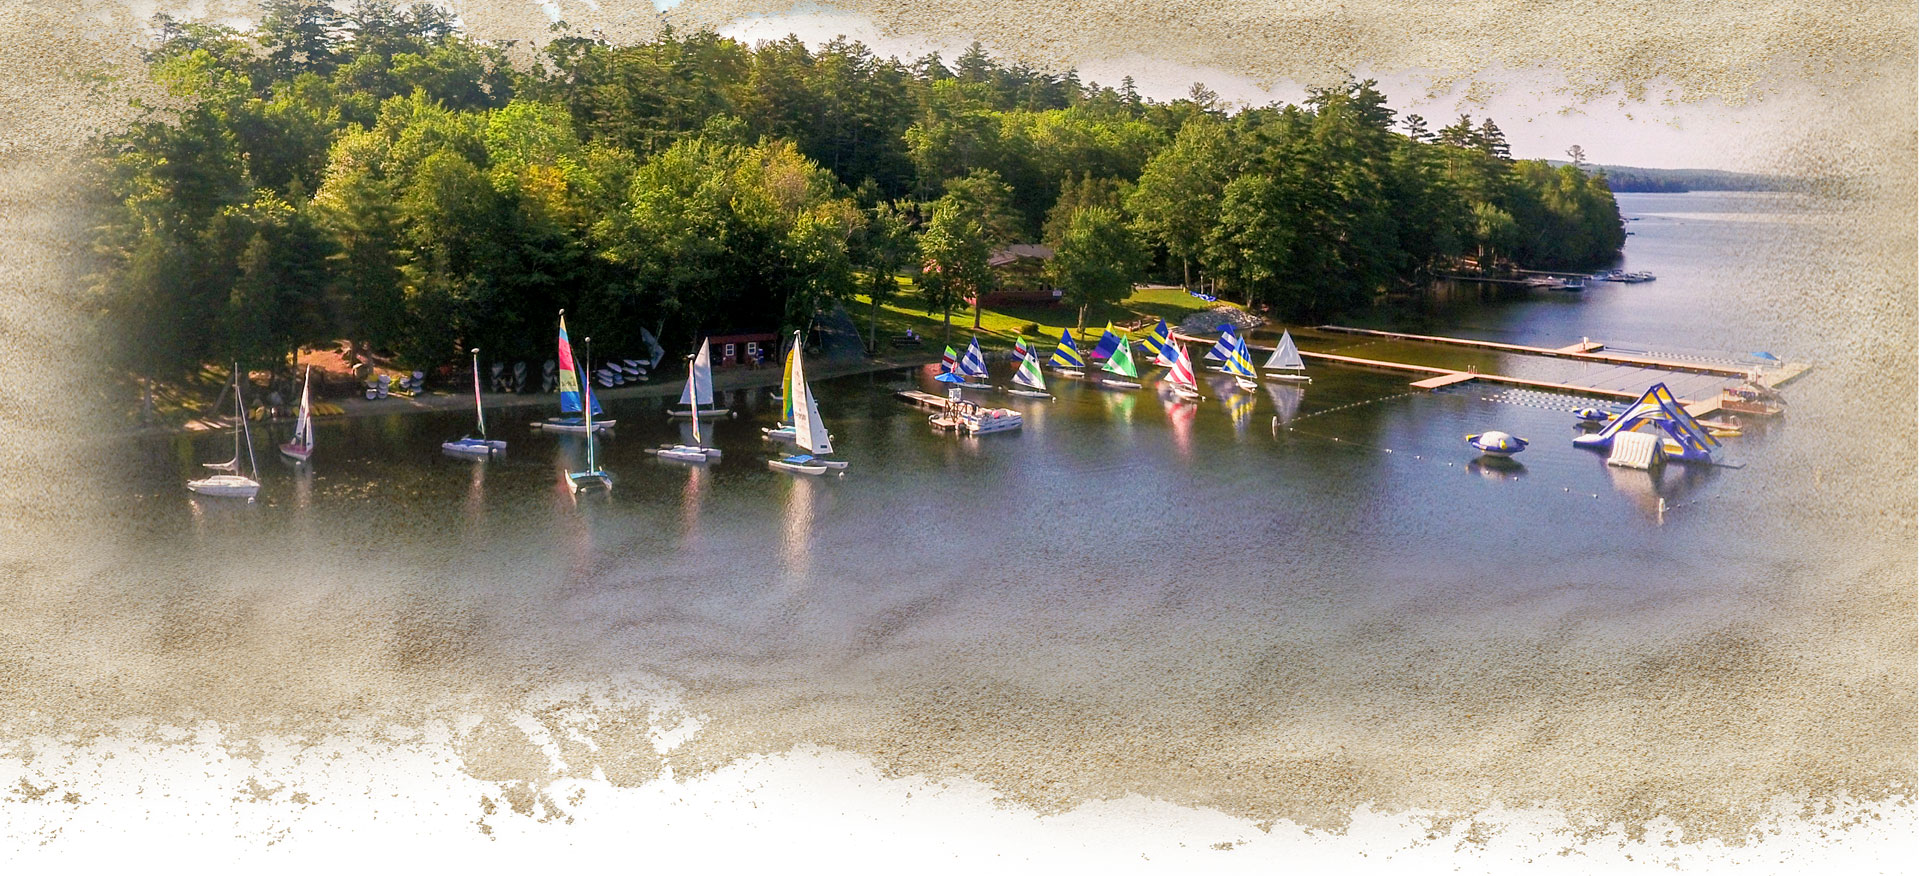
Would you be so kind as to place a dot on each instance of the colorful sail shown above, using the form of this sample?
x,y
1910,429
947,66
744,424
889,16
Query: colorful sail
x,y
1109,340
1020,348
1121,362
1239,361
1223,349
1156,343
786,382
1286,357
949,361
1181,373
570,383
1067,355
1028,374
699,389
808,432
974,363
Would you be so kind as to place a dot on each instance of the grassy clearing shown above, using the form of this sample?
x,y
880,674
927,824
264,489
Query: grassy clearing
x,y
999,326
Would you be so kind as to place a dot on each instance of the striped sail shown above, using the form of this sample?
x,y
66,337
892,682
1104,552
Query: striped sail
x,y
1223,349
1182,368
808,432
1121,362
699,390
973,363
1028,374
570,386
1286,357
949,361
1067,355
1020,348
1239,361
1156,343
1109,341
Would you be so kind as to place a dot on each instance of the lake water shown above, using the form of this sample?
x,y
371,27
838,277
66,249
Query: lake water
x,y
1282,604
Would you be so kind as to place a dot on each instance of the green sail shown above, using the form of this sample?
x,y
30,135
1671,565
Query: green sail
x,y
1121,362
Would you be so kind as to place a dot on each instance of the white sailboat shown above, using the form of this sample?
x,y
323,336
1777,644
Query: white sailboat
x,y
699,389
232,482
470,445
300,449
809,434
698,451
1028,379
1286,360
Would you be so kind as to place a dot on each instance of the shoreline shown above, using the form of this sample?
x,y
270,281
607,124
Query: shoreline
x,y
359,406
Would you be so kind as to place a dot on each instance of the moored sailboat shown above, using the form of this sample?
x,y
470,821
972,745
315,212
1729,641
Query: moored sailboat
x,y
475,446
300,449
592,476
1240,365
1286,360
232,482
1121,363
1066,359
810,434
1027,379
572,388
699,389
695,452
1180,373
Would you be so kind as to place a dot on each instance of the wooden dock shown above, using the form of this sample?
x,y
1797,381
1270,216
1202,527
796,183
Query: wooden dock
x,y
1444,380
1589,350
923,399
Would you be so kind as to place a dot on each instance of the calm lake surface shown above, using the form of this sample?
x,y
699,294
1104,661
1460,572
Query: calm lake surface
x,y
1283,603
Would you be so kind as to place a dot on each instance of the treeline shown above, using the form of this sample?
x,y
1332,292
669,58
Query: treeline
x,y
1657,179
375,175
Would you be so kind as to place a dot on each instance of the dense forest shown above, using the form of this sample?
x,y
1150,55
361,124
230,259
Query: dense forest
x,y
372,174
1660,179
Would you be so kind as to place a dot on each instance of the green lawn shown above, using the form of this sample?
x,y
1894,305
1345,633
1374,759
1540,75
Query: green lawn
x,y
999,326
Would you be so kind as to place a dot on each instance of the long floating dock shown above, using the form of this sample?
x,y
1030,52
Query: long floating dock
x,y
1589,350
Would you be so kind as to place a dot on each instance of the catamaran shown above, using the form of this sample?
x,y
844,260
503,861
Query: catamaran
x,y
699,389
232,483
571,388
471,446
300,449
1180,373
783,429
1066,359
1240,365
809,433
1286,360
1121,363
1028,381
593,475
698,451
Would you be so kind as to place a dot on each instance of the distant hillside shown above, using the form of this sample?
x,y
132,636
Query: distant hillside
x,y
1658,179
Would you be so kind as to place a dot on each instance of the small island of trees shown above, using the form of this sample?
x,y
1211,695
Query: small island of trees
x,y
377,176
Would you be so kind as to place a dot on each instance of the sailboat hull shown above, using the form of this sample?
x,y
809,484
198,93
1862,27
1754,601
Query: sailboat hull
x,y
1118,384
684,453
574,425
473,447
296,452
1069,372
1247,384
1274,375
1030,393
687,413
225,485
589,480
810,466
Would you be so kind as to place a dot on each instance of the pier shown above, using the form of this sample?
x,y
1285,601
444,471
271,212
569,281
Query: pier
x,y
1589,350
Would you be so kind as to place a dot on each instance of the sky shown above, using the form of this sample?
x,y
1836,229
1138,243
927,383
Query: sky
x,y
1657,132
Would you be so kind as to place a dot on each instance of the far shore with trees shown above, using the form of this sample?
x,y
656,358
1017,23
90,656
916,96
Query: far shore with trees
x,y
377,177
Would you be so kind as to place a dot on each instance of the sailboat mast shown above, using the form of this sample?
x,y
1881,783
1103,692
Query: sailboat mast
x,y
479,413
586,386
696,407
241,407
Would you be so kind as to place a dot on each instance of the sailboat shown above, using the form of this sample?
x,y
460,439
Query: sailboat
x,y
1180,373
695,452
593,475
300,449
1027,379
232,483
809,433
1066,359
471,446
1286,360
782,430
571,388
1223,349
966,371
1157,342
1121,363
1240,365
699,389
1109,341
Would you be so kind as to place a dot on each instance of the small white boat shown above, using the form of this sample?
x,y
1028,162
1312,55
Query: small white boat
x,y
975,420
799,464
300,449
698,451
481,447
1286,361
1497,444
232,483
698,393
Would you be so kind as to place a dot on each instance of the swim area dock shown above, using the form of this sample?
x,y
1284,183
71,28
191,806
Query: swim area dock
x,y
1590,367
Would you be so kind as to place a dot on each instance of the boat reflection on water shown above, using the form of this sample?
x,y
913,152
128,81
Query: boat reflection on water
x,y
1657,490
796,530
1121,402
1286,401
1239,405
1180,416
476,505
693,495
1498,468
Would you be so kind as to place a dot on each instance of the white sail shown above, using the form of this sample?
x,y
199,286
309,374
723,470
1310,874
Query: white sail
x,y
303,427
699,388
695,408
808,432
1286,357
